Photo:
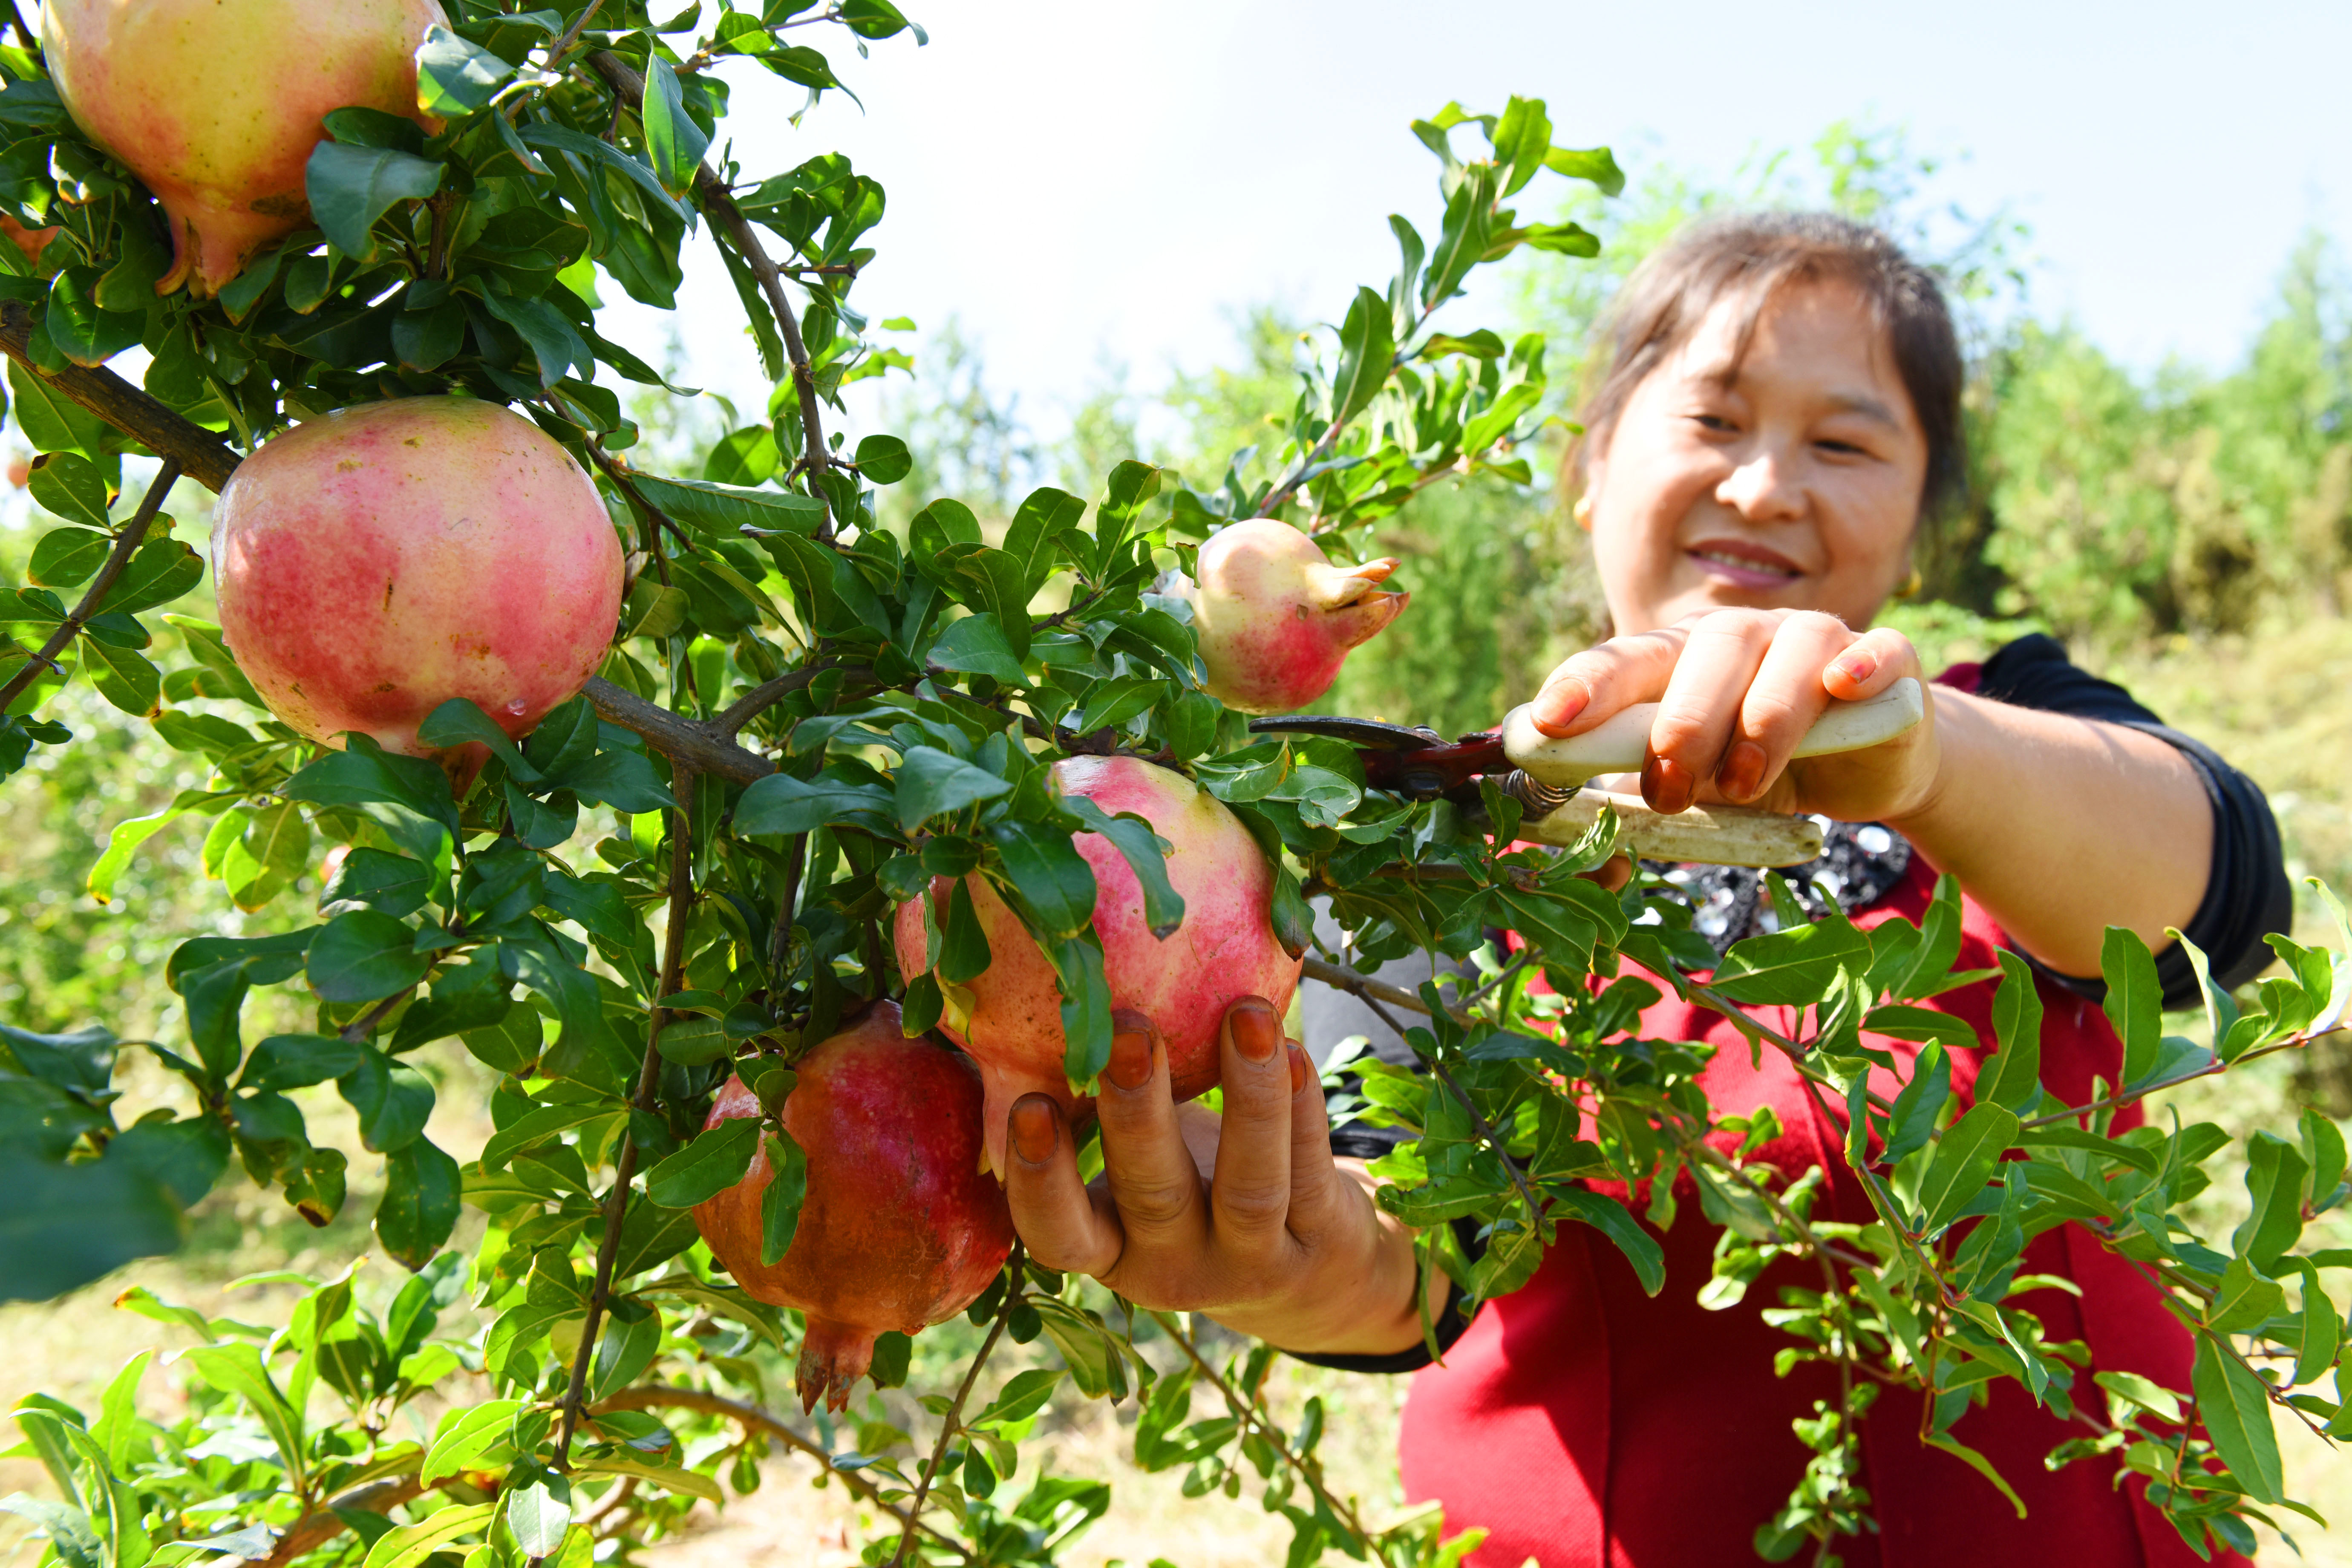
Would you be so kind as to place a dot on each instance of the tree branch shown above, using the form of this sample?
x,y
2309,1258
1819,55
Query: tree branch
x,y
625,1165
686,744
133,534
202,455
661,1397
719,203
313,1530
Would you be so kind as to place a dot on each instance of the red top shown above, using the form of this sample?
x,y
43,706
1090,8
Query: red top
x,y
1576,1416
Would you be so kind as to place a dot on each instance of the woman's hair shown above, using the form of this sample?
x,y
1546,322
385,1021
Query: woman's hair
x,y
1750,257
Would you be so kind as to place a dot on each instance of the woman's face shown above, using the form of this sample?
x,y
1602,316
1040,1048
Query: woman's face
x,y
1788,479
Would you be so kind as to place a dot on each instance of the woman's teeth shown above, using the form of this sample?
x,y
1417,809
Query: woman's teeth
x,y
1745,563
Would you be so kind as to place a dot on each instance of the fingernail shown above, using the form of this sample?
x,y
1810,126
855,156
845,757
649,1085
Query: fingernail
x,y
1130,1060
1033,1130
1667,785
1858,665
1558,705
1742,772
1257,1031
1299,1068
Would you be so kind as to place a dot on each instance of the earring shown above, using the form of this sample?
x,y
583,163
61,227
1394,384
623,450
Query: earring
x,y
1909,587
1582,513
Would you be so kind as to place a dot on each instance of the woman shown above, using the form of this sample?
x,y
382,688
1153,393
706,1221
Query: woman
x,y
1779,409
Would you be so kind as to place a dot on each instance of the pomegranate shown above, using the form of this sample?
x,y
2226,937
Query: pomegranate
x,y
1010,1016
1275,619
901,1227
380,560
215,104
29,242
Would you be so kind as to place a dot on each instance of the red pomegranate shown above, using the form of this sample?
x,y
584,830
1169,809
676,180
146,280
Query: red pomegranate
x,y
1275,619
1010,1016
215,104
901,1227
380,560
29,242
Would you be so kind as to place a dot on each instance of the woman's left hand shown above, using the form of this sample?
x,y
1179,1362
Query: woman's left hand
x,y
1736,689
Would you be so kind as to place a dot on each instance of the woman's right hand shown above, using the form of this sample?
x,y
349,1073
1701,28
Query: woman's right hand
x,y
1245,1216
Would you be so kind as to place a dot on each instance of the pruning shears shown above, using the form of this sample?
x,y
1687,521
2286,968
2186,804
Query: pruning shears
x,y
1548,776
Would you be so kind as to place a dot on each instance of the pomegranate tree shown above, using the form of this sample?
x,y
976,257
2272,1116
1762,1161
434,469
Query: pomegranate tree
x,y
378,562
215,104
900,1228
1275,618
1010,1016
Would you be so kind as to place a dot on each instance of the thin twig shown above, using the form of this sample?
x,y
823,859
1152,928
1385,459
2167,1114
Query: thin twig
x,y
624,479
625,1166
202,455
949,1424
655,1397
1246,1411
571,35
719,203
1365,988
134,533
767,694
314,1530
2212,1069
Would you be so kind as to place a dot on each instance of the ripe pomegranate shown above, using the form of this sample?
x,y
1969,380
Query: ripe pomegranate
x,y
380,560
901,1227
1275,619
215,104
1010,1016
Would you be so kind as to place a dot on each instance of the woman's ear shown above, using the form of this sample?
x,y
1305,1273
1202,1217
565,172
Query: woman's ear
x,y
1582,511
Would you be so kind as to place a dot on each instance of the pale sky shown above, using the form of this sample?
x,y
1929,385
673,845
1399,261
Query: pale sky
x,y
1089,184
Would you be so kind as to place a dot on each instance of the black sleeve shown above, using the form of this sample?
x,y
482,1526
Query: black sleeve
x,y
2247,894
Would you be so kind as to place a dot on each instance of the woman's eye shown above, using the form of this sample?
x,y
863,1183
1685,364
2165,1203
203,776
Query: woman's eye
x,y
1841,449
1715,422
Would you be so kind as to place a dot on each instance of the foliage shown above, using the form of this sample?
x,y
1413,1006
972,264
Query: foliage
x,y
805,715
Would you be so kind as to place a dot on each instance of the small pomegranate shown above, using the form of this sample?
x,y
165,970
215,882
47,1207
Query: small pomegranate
x,y
380,560
1010,1016
901,1227
215,104
1275,619
29,242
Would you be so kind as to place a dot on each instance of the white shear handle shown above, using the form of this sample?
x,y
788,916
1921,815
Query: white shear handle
x,y
1620,744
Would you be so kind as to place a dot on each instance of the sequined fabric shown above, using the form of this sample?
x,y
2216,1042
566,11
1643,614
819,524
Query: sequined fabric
x,y
1859,864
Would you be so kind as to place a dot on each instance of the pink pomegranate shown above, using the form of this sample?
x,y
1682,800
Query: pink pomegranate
x,y
215,104
1010,1016
900,1228
1275,619
380,560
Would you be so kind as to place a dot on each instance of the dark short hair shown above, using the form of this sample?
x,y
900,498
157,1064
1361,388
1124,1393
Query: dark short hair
x,y
1752,257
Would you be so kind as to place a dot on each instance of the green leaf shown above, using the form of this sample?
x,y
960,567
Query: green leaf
x,y
466,1436
780,1203
422,1188
350,187
239,1370
2245,1301
2135,1001
410,1544
365,955
394,1100
1913,1121
2015,1079
1616,1222
1792,968
2235,1409
931,782
674,143
1963,1161
1980,1464
1086,1005
964,955
1595,165
1132,837
65,1226
294,1061
67,557
123,677
539,1511
2275,1173
2322,1334
1049,876
715,1160
70,485
976,644
1042,517
1367,350
453,77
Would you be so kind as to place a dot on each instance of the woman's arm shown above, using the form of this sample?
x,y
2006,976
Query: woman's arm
x,y
2062,827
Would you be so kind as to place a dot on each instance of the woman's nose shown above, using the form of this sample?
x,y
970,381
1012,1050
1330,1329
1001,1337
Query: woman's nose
x,y
1761,488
